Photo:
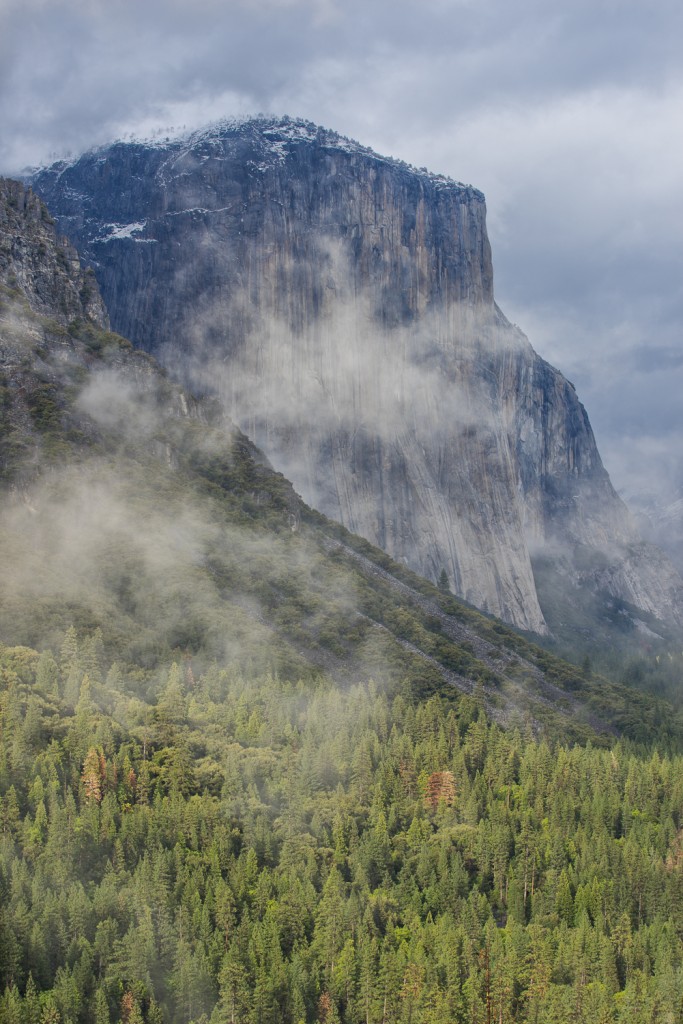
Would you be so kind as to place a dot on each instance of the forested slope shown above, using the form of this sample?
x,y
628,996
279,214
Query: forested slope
x,y
262,851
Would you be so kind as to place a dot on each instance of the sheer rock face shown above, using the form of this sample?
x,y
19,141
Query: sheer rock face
x,y
342,305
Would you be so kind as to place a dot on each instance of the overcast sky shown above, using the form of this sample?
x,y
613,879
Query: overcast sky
x,y
569,116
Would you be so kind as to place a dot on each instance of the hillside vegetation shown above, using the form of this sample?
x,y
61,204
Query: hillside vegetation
x,y
251,849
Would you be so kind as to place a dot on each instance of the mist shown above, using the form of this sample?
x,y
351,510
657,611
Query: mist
x,y
403,418
117,535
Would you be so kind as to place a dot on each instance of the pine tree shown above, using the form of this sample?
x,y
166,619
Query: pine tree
x,y
47,674
440,787
91,776
328,937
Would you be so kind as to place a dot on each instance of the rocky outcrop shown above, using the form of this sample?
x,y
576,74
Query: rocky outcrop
x,y
42,265
342,305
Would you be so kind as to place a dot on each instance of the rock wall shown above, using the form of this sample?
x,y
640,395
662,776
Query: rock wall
x,y
342,305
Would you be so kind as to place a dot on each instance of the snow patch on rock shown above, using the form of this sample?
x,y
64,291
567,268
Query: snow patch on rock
x,y
115,232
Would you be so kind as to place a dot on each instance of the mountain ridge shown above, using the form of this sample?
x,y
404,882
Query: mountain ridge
x,y
294,128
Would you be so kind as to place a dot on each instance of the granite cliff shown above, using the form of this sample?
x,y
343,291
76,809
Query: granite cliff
x,y
342,305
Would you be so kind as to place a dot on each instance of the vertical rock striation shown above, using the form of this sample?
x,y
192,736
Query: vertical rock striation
x,y
342,304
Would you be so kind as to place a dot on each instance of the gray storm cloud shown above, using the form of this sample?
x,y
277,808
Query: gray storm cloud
x,y
565,117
